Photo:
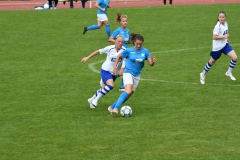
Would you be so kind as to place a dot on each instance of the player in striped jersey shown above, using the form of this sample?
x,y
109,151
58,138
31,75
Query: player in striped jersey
x,y
220,45
107,75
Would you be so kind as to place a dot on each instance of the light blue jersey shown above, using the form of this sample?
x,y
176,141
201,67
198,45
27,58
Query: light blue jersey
x,y
125,33
135,60
103,4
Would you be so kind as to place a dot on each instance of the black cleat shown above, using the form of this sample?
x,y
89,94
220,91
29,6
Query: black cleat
x,y
84,30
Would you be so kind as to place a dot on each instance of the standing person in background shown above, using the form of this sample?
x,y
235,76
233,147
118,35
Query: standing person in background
x,y
84,3
53,4
102,6
123,31
170,2
135,58
220,45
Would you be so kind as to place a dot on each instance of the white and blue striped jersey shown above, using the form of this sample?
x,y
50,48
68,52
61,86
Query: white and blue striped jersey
x,y
220,30
135,60
103,4
112,54
125,33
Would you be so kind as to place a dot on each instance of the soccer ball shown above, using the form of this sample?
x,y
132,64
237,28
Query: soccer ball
x,y
126,111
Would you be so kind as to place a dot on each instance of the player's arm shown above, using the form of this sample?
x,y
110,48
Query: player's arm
x,y
111,39
217,37
151,61
98,6
116,63
84,59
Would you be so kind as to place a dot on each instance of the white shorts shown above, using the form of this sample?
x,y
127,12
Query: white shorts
x,y
102,17
130,79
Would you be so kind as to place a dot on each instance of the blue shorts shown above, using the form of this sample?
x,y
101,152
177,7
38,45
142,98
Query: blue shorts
x,y
106,75
217,54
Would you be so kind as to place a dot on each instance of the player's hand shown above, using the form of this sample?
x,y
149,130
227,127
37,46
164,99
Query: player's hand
x,y
103,9
85,59
154,59
114,71
108,6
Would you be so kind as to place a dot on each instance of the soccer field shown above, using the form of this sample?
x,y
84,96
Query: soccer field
x,y
44,113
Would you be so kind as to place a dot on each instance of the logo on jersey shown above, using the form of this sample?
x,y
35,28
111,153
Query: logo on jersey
x,y
138,60
132,52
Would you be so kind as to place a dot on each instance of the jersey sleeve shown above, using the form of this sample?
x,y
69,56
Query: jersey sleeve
x,y
216,29
104,50
115,34
147,53
125,53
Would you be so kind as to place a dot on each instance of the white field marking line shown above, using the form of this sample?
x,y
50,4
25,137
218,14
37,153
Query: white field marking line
x,y
179,82
187,49
91,67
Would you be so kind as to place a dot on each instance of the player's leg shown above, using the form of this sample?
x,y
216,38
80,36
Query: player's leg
x,y
108,29
170,2
164,2
108,79
232,64
130,86
95,26
215,55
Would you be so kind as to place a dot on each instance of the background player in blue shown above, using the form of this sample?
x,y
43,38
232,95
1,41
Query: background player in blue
x,y
102,6
220,45
135,57
124,31
107,69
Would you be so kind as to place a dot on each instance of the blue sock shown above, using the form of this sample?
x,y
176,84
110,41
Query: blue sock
x,y
123,97
93,27
122,85
108,30
113,105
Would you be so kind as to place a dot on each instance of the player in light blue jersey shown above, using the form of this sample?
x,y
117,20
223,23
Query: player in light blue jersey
x,y
220,45
135,57
107,76
102,6
123,31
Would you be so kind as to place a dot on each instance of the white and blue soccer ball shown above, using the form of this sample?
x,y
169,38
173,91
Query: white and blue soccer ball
x,y
126,111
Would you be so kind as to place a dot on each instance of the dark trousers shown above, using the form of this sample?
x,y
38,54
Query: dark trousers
x,y
71,3
83,3
164,2
50,3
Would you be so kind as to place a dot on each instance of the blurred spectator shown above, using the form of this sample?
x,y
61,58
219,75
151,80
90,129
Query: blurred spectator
x,y
170,2
53,4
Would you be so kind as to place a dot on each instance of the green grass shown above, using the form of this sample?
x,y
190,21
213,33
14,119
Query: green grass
x,y
44,88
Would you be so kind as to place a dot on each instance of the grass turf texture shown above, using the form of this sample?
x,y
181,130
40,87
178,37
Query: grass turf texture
x,y
44,87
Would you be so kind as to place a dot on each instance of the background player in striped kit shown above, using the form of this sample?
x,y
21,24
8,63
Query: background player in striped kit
x,y
220,45
135,58
107,76
124,31
102,6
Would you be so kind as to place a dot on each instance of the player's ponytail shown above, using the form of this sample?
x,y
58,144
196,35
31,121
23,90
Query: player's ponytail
x,y
119,17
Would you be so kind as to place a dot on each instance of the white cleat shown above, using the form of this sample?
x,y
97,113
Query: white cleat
x,y
228,74
94,103
90,102
202,78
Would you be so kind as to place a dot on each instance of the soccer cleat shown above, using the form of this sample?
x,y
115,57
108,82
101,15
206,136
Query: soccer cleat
x,y
121,89
110,109
84,30
90,102
228,74
94,103
114,111
202,78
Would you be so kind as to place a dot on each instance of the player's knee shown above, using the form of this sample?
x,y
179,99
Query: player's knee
x,y
110,86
